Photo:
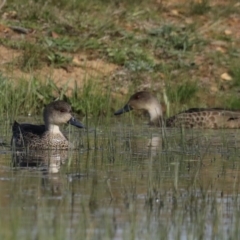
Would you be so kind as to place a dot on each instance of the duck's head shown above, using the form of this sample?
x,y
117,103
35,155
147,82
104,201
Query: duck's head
x,y
143,101
58,113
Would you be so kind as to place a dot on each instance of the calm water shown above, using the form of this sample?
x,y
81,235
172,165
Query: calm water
x,y
124,182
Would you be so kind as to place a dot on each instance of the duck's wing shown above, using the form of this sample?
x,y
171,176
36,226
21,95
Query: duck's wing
x,y
24,131
26,128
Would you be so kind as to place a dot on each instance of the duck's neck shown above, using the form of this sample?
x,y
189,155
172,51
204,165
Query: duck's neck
x,y
53,129
155,114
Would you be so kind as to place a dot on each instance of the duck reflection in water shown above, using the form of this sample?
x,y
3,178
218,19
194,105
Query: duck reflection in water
x,y
47,161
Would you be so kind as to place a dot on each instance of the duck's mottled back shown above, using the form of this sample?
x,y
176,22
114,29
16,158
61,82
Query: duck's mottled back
x,y
205,118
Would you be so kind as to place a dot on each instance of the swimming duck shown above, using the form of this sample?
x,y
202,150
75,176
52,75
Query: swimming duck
x,y
48,136
192,118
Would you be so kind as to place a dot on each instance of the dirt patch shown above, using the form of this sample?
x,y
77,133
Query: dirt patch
x,y
7,55
81,70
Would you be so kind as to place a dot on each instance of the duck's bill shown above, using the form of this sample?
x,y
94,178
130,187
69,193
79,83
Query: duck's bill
x,y
73,121
126,108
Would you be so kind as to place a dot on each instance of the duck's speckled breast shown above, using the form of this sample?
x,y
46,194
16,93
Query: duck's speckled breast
x,y
45,141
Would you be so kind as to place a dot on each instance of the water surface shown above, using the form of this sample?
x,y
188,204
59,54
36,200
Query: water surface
x,y
124,182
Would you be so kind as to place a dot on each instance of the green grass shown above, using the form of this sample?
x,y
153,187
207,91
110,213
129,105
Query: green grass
x,y
199,7
141,39
29,98
235,73
92,101
231,102
182,93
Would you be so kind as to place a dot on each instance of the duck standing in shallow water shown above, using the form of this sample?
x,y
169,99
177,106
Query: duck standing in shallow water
x,y
193,118
48,136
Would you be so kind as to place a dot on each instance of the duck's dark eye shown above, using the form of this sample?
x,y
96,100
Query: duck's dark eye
x,y
138,96
61,110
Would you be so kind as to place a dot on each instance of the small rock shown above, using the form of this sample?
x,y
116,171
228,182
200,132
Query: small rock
x,y
76,62
9,15
213,89
226,77
54,35
174,12
221,49
228,32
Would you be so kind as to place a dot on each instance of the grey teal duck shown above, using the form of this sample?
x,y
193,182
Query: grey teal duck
x,y
49,135
209,118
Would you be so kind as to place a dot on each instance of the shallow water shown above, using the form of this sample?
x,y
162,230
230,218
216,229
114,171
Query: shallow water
x,y
124,182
